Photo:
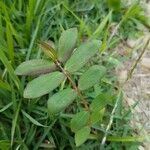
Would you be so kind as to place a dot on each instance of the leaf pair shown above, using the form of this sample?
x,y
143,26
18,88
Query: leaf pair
x,y
82,122
78,59
44,84
82,55
79,125
85,118
66,45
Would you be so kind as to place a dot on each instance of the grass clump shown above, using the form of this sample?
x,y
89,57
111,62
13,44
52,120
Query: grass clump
x,y
67,96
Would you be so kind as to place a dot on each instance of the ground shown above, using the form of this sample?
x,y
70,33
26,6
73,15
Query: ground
x,y
137,89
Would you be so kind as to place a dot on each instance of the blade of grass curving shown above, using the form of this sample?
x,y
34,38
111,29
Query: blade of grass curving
x,y
33,39
104,41
38,3
5,85
17,36
34,35
10,69
32,119
10,42
6,107
102,25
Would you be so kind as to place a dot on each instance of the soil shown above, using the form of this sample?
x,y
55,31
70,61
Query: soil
x,y
137,89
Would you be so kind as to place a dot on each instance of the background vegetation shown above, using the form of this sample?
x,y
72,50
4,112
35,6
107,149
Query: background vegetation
x,y
25,123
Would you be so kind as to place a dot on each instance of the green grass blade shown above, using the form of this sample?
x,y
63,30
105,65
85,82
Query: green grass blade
x,y
33,39
14,122
6,107
47,130
32,119
5,85
102,25
10,43
10,69
29,16
125,139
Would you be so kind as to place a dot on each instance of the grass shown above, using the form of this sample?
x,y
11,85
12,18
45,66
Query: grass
x,y
25,124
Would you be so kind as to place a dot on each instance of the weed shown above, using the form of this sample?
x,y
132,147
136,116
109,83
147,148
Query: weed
x,y
67,98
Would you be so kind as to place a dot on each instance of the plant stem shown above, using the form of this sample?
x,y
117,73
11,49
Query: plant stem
x,y
137,61
73,85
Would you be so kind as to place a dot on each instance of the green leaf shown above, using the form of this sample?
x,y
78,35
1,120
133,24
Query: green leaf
x,y
115,62
4,85
61,100
48,50
81,56
10,42
125,139
82,135
97,116
104,44
132,12
6,107
79,120
100,102
102,25
35,67
114,4
67,43
43,84
91,77
8,66
32,119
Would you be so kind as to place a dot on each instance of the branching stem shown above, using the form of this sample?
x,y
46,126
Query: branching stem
x,y
137,61
73,84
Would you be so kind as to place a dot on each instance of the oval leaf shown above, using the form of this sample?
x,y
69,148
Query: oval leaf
x,y
81,56
79,120
82,135
97,116
35,67
60,101
100,102
67,43
91,77
43,84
